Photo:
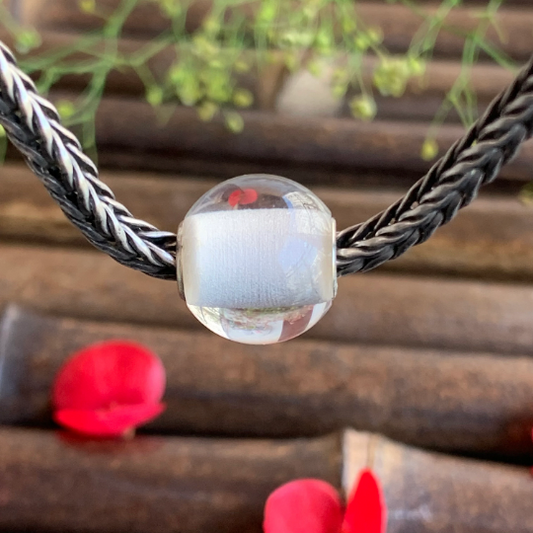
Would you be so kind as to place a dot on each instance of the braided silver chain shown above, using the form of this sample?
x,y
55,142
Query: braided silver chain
x,y
55,155
453,182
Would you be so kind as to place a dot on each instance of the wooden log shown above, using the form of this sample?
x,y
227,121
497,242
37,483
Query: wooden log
x,y
399,23
421,102
489,239
431,492
262,82
298,92
476,3
370,308
303,147
428,398
308,95
129,135
50,482
54,482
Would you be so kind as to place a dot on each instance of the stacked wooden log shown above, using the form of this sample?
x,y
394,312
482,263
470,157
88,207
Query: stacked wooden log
x,y
303,140
433,351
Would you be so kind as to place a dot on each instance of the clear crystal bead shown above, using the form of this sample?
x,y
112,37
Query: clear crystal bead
x,y
256,261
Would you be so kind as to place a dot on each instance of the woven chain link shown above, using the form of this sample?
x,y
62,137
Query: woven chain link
x,y
55,156
71,178
451,183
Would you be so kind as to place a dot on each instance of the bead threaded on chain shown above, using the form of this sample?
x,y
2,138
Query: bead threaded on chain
x,y
256,259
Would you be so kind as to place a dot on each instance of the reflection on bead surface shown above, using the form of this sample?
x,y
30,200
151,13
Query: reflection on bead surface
x,y
256,260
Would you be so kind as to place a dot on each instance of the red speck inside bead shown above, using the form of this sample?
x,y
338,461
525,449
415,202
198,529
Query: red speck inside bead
x,y
242,197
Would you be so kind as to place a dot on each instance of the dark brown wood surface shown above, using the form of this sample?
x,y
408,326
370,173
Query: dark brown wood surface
x,y
490,239
399,23
310,149
436,351
54,482
263,83
378,309
57,482
421,101
430,398
424,95
430,493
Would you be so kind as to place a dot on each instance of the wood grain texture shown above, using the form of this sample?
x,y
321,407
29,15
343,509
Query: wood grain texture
x,y
454,401
490,239
370,308
308,148
56,482
128,135
304,94
399,23
274,88
428,492
263,82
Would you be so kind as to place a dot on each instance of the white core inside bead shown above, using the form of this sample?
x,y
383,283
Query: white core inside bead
x,y
258,258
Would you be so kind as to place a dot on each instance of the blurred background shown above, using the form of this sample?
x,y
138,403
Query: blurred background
x,y
356,100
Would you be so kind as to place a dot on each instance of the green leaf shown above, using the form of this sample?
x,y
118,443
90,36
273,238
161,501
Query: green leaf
x,y
234,121
430,149
363,107
207,110
154,95
87,6
243,98
27,40
65,108
391,75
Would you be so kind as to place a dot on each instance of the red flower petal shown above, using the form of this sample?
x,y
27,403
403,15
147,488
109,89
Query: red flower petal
x,y
303,506
366,511
112,422
107,374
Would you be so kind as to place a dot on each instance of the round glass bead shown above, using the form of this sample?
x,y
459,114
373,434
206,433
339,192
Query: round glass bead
x,y
256,260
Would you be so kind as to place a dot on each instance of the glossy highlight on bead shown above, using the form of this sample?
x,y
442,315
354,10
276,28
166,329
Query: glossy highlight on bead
x,y
256,261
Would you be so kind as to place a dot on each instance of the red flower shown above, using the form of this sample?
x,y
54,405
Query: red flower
x,y
108,389
313,506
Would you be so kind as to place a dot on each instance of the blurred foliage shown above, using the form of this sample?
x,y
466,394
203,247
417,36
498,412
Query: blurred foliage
x,y
238,37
